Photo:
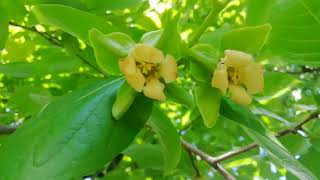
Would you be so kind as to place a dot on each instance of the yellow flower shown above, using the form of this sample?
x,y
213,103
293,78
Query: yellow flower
x,y
238,73
143,68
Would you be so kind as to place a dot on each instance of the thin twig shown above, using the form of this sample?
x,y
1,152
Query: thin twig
x,y
214,12
56,42
233,153
209,159
46,36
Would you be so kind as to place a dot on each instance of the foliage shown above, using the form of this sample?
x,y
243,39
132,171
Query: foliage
x,y
77,117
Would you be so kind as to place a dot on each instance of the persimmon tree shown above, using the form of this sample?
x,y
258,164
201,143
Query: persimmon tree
x,y
159,89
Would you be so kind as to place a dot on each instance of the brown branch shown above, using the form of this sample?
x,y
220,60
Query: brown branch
x,y
215,160
56,42
233,153
224,172
209,159
7,129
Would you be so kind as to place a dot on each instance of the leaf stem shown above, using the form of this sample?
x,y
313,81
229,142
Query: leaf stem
x,y
214,12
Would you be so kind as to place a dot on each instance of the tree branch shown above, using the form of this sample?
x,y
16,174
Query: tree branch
x,y
56,42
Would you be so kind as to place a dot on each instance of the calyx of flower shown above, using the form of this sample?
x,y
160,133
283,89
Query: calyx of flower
x,y
238,73
145,66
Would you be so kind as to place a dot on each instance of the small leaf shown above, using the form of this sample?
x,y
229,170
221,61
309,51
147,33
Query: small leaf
x,y
106,55
67,19
208,102
247,39
178,94
167,39
169,139
170,41
72,136
206,55
200,72
151,38
117,42
125,97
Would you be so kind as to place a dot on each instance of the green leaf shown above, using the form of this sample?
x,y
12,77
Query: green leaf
x,y
295,27
167,39
40,68
248,39
259,11
309,160
125,97
169,139
170,41
4,29
29,100
176,93
242,115
208,102
112,5
214,38
106,54
312,6
147,156
206,55
281,156
72,136
70,20
277,84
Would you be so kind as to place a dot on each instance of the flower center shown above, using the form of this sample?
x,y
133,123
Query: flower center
x,y
233,76
148,69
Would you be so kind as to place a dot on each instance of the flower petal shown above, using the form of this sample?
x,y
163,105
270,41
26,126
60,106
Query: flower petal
x,y
239,95
168,69
235,58
156,55
220,78
146,53
127,65
136,80
252,77
154,89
